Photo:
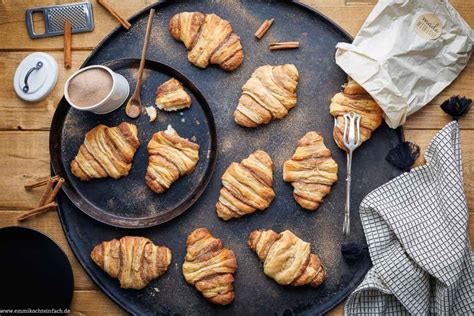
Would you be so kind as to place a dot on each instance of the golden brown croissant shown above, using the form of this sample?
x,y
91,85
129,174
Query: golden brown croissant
x,y
311,171
134,261
286,258
106,152
354,98
208,38
210,267
170,157
268,94
171,96
247,186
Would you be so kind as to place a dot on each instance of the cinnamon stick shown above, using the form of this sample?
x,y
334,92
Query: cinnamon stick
x,y
47,191
52,195
284,45
117,16
36,211
264,28
67,44
39,183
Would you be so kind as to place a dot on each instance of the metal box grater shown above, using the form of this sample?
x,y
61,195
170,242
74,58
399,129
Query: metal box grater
x,y
79,14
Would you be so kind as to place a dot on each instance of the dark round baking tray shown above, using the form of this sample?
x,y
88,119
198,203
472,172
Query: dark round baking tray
x,y
320,80
128,202
36,273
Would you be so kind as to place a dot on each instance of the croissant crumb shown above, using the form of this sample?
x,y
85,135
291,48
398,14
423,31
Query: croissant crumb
x,y
171,96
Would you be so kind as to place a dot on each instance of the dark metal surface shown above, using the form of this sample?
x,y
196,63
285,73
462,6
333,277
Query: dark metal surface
x,y
128,202
320,79
36,273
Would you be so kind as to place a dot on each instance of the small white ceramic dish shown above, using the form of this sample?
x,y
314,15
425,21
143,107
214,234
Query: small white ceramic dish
x,y
117,96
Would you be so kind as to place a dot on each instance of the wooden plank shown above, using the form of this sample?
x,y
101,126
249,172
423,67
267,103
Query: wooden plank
x,y
338,310
432,117
49,225
94,303
14,14
33,161
14,19
17,114
24,157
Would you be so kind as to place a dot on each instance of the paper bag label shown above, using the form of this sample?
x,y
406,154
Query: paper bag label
x,y
428,26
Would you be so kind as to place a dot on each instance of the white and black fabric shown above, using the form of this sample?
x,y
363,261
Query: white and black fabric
x,y
416,228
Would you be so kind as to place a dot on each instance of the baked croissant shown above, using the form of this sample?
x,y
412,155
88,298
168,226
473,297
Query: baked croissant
x,y
311,171
169,157
269,94
355,99
247,186
208,38
171,96
286,258
106,152
134,261
210,267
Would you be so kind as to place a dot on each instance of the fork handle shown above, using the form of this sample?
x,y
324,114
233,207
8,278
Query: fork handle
x,y
346,228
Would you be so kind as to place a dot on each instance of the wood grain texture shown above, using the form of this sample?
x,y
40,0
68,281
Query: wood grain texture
x,y
94,302
17,114
104,22
23,126
24,157
19,40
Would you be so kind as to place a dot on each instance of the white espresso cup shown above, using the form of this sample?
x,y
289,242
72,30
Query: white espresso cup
x,y
116,97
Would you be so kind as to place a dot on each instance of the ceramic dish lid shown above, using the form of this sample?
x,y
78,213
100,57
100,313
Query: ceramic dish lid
x,y
35,77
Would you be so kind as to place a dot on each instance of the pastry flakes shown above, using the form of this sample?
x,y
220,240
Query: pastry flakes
x,y
269,94
171,96
286,258
210,267
355,99
106,152
247,186
134,261
208,38
311,171
169,157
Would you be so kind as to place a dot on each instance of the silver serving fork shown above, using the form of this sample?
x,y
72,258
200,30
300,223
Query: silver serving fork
x,y
351,140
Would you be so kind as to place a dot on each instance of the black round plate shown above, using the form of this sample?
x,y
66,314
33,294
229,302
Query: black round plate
x,y
320,79
127,202
36,273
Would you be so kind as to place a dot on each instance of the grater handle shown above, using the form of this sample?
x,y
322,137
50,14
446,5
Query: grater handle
x,y
29,21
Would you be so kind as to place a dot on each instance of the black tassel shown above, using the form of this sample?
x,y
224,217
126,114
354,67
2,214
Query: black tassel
x,y
404,155
352,251
456,106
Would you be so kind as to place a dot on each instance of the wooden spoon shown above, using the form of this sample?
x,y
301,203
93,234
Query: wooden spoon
x,y
134,105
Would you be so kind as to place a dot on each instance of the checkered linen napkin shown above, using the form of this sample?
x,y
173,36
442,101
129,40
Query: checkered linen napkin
x,y
416,230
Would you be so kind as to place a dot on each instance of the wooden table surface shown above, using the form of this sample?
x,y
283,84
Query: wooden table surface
x,y
24,126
